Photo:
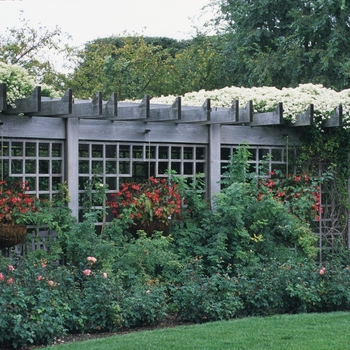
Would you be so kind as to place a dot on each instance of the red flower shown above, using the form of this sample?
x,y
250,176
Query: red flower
x,y
299,193
14,201
154,198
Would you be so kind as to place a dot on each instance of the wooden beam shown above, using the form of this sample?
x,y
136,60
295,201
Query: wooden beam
x,y
55,107
304,119
110,108
28,105
3,103
166,112
87,109
132,111
195,114
335,120
245,115
225,115
269,118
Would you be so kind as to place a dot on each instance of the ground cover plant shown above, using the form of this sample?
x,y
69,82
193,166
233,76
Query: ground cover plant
x,y
211,265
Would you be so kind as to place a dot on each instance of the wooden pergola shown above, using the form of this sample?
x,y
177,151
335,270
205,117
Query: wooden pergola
x,y
98,121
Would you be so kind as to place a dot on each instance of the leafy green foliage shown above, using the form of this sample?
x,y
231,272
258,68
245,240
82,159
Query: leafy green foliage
x,y
30,47
269,43
248,256
202,298
299,193
156,201
135,66
143,304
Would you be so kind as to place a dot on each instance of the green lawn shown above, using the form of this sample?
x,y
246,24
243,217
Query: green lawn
x,y
280,332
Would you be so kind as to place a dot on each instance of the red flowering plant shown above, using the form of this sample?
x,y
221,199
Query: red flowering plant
x,y
300,194
14,202
151,205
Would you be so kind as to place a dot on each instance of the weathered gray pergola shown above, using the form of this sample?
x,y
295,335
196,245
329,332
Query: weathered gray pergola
x,y
118,141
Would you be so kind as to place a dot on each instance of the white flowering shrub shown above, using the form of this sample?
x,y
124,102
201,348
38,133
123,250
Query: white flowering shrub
x,y
20,84
265,99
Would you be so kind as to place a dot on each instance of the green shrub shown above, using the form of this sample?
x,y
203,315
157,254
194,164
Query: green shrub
x,y
334,288
83,240
294,286
203,298
41,300
143,304
146,258
31,308
97,306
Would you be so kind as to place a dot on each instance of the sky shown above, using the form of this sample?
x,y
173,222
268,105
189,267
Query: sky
x,y
86,20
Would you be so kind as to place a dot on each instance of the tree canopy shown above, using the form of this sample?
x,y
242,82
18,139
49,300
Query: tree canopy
x,y
284,43
135,66
256,43
33,49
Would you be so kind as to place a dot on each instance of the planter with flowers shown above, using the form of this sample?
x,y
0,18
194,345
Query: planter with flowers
x,y
151,205
14,204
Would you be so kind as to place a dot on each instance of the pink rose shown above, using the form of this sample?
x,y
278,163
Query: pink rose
x,y
148,291
51,283
92,259
11,268
104,275
322,271
2,277
10,280
40,278
87,272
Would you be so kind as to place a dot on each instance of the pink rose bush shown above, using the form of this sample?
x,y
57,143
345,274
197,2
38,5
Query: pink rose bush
x,y
91,259
87,272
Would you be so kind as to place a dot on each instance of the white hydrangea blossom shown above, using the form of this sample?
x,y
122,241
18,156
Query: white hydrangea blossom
x,y
265,99
20,84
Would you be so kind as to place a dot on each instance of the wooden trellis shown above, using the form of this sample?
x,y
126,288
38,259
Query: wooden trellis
x,y
67,107
104,123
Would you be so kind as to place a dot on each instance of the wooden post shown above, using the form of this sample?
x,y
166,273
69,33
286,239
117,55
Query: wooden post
x,y
72,163
214,172
348,212
3,103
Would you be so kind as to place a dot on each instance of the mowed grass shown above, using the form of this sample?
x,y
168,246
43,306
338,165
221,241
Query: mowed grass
x,y
280,332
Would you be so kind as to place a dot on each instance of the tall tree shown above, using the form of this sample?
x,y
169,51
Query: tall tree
x,y
34,50
135,66
201,65
129,66
286,42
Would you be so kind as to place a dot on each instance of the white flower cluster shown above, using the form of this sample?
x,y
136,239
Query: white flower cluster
x,y
265,99
20,84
